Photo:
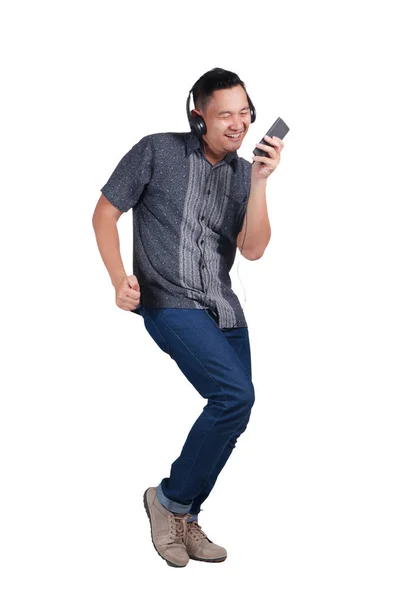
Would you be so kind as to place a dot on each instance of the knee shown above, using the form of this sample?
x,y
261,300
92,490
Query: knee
x,y
249,394
244,406
246,397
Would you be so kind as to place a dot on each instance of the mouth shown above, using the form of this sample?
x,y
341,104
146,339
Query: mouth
x,y
235,136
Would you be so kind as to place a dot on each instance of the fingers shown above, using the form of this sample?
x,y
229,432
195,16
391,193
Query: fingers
x,y
128,294
125,305
130,286
276,145
131,295
127,302
271,151
275,141
132,281
264,159
265,167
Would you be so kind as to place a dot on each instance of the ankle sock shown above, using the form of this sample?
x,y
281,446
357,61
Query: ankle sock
x,y
192,518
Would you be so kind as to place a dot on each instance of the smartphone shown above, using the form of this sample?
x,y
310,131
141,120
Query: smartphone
x,y
279,129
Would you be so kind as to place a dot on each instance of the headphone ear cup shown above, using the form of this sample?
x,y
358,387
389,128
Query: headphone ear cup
x,y
252,109
198,125
252,112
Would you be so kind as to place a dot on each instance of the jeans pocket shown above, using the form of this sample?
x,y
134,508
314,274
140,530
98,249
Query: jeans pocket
x,y
210,313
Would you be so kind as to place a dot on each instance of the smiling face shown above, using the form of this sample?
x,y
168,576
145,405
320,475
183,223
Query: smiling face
x,y
227,114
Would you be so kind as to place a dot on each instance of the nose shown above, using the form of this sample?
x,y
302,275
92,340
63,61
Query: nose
x,y
238,123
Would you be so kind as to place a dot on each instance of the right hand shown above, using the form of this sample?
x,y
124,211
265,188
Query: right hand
x,y
127,293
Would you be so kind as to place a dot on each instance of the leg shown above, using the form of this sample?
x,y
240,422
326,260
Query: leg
x,y
239,340
207,359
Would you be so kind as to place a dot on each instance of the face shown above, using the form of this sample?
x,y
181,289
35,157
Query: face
x,y
227,113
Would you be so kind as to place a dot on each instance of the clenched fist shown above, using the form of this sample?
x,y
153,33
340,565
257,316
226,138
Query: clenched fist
x,y
127,293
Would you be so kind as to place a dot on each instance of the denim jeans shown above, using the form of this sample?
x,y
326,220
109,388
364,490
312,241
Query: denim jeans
x,y
218,364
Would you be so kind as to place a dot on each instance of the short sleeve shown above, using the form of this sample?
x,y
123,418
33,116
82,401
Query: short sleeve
x,y
127,182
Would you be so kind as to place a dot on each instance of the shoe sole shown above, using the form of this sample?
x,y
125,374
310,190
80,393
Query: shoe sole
x,y
211,560
151,533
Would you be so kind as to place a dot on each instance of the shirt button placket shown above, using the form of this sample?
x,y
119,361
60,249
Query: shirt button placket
x,y
203,266
202,240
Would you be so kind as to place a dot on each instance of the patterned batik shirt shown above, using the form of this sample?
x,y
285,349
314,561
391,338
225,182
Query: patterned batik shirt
x,y
186,214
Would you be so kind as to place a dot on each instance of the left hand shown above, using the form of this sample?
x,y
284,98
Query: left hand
x,y
262,165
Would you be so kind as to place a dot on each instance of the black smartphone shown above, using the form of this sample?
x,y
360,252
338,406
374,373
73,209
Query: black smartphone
x,y
279,129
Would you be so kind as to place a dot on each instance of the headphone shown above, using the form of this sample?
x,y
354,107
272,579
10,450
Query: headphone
x,y
197,123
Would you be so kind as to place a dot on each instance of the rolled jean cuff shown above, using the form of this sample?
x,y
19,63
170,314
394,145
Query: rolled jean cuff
x,y
171,505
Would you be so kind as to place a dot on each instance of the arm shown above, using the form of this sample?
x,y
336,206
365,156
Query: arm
x,y
258,227
258,231
104,223
122,192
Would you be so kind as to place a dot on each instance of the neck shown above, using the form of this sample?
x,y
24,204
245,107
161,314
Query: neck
x,y
211,156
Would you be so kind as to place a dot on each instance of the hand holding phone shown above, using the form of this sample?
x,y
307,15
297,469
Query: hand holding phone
x,y
278,129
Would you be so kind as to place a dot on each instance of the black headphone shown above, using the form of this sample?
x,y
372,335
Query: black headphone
x,y
197,123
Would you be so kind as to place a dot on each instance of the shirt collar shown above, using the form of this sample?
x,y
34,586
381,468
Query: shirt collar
x,y
193,144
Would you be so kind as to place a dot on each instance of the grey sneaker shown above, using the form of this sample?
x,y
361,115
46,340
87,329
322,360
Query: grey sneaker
x,y
200,547
167,530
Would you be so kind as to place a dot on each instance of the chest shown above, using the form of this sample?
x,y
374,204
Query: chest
x,y
196,193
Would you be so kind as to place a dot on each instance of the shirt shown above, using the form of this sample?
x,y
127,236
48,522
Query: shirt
x,y
186,216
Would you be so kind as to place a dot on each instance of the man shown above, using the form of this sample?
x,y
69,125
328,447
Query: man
x,y
189,194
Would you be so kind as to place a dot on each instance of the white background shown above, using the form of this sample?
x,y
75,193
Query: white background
x,y
92,412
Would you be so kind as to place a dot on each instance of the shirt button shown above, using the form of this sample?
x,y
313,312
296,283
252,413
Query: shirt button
x,y
202,218
201,241
203,266
209,192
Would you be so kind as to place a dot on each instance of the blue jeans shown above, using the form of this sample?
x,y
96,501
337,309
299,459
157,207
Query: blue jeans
x,y
218,364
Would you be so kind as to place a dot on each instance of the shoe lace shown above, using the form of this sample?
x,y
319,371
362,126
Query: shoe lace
x,y
195,530
177,527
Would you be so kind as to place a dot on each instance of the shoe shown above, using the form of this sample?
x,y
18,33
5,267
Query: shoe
x,y
167,530
200,547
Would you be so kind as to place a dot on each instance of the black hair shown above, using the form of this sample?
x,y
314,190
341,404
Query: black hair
x,y
216,79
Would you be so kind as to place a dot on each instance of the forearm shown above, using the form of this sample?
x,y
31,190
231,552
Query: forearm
x,y
258,228
107,238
